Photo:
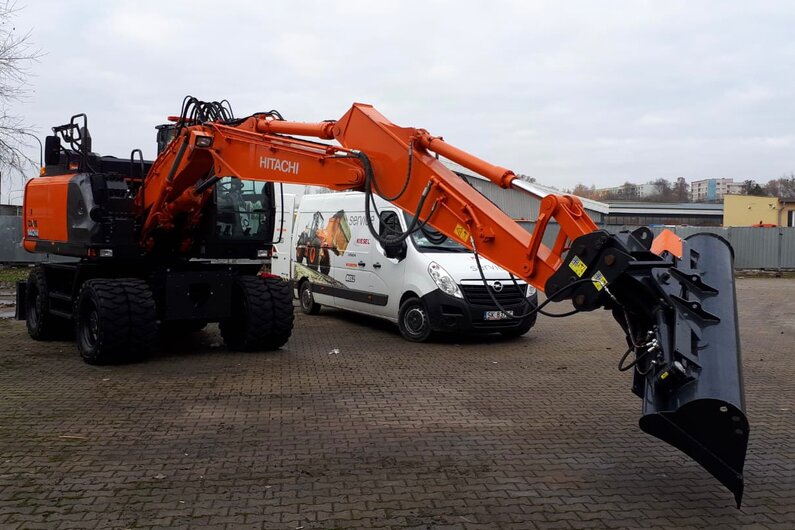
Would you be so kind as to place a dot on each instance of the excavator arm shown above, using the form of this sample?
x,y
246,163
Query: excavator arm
x,y
674,299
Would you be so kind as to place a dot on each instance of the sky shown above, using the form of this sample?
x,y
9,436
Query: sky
x,y
598,92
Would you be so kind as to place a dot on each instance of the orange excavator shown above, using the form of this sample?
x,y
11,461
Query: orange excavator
x,y
144,235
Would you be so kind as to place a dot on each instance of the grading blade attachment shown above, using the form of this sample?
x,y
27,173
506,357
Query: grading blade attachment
x,y
700,411
675,300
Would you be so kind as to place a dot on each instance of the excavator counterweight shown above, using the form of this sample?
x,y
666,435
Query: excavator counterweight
x,y
138,226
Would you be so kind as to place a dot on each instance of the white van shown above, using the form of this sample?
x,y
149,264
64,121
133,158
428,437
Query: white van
x,y
424,288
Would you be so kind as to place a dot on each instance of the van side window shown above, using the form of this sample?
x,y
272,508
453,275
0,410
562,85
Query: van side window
x,y
389,225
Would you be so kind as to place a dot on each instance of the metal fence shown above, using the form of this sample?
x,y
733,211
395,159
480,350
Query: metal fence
x,y
754,248
11,250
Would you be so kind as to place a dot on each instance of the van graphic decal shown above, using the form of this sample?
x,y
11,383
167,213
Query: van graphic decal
x,y
315,241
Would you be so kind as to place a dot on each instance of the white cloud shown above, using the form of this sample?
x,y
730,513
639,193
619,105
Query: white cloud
x,y
569,92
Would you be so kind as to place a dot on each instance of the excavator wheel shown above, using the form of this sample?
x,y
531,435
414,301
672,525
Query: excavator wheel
x,y
115,320
262,314
42,325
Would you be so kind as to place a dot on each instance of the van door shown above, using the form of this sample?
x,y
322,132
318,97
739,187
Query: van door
x,y
372,281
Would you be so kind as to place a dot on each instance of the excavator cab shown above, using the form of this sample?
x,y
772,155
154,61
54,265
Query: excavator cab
x,y
240,219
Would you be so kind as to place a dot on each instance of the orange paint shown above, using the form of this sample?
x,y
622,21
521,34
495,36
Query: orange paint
x,y
44,213
669,241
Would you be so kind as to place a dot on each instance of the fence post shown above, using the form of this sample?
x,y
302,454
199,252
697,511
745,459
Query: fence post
x,y
780,242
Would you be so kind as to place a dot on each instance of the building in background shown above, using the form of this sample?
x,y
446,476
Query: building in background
x,y
709,190
749,210
628,213
628,191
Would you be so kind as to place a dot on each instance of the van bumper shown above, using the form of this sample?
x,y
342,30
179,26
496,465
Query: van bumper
x,y
450,314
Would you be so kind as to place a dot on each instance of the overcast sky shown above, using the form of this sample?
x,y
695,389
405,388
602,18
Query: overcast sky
x,y
568,92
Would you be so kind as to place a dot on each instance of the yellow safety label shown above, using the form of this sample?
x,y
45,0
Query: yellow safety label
x,y
577,266
599,281
462,233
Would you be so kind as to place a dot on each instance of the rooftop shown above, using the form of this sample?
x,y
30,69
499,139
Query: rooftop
x,y
537,189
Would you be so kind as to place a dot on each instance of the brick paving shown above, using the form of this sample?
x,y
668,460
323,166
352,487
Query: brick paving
x,y
539,432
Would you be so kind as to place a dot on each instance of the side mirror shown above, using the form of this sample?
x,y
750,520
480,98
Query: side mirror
x,y
52,151
395,250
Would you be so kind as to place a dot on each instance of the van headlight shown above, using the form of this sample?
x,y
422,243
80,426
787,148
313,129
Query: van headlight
x,y
443,280
530,291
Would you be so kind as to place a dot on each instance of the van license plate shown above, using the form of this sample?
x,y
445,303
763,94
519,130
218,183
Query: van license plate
x,y
496,315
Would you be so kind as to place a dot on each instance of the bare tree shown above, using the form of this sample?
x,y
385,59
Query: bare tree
x,y
781,187
16,55
751,187
681,190
582,190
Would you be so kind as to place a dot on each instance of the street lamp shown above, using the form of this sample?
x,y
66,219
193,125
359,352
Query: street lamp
x,y
41,147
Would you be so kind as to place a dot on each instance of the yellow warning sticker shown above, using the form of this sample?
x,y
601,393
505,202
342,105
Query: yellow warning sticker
x,y
462,233
599,281
577,266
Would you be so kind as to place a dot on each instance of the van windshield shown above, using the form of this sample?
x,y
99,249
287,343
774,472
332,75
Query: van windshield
x,y
424,244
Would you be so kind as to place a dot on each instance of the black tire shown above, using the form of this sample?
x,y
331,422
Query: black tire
x,y
262,314
414,321
307,300
41,324
115,320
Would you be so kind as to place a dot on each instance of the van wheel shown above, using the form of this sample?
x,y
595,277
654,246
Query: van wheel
x,y
308,304
413,320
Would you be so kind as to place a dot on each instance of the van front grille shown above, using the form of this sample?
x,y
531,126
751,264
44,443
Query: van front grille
x,y
479,295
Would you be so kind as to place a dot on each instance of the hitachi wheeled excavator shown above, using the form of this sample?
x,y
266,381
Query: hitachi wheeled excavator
x,y
145,234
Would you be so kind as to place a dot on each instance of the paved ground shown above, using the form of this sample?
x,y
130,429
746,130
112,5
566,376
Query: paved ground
x,y
538,432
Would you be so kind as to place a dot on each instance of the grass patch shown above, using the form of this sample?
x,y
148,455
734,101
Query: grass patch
x,y
14,274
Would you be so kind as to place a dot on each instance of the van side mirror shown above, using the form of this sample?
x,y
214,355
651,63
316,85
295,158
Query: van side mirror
x,y
389,226
396,250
